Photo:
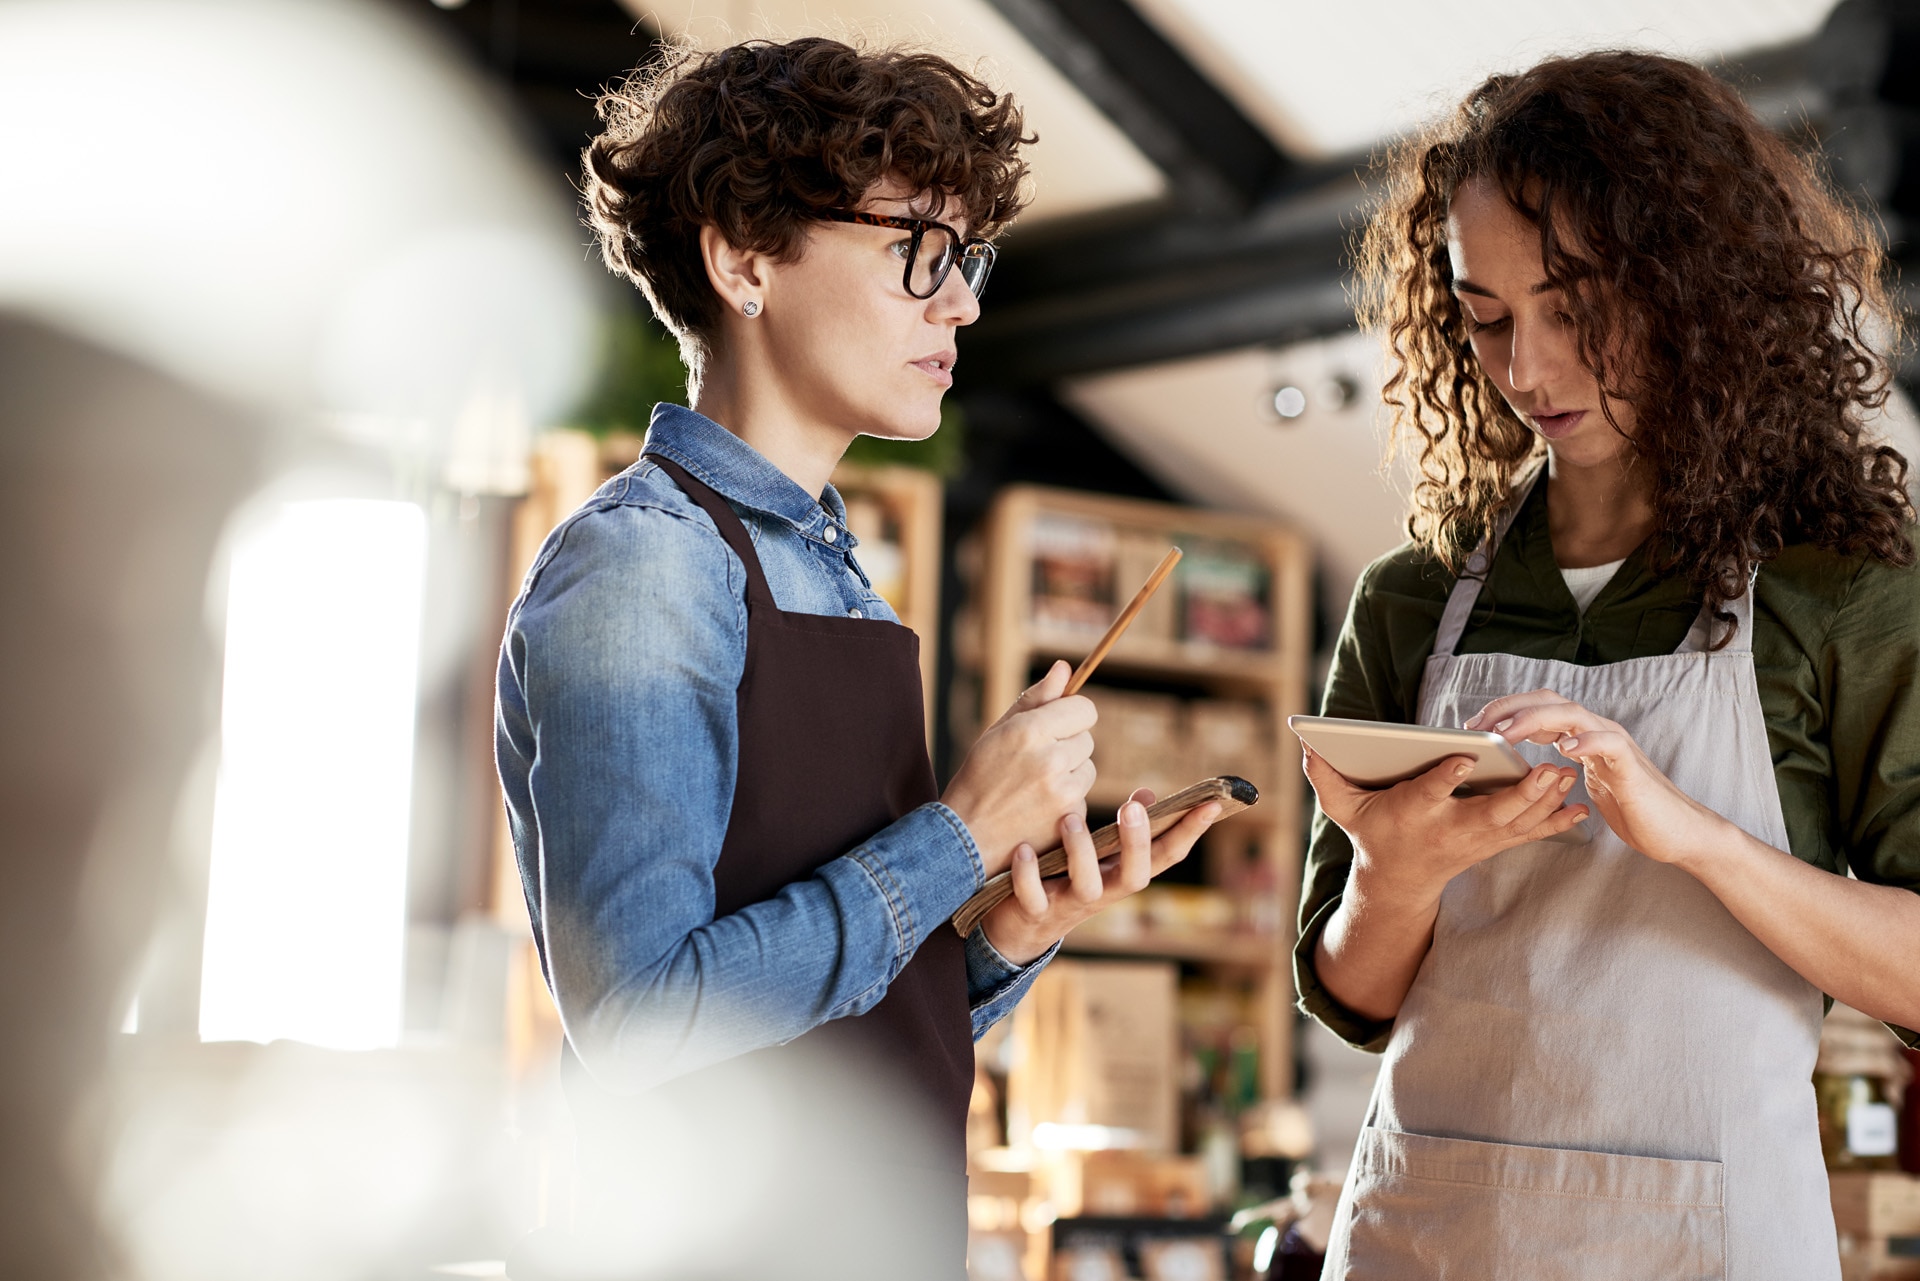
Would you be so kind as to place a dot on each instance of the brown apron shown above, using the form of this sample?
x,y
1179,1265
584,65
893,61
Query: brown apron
x,y
843,1151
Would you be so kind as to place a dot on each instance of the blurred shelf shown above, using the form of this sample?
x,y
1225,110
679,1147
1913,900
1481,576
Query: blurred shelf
x,y
1251,951
1175,710
1150,656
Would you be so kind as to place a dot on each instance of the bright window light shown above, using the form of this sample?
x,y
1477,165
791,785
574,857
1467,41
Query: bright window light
x,y
306,902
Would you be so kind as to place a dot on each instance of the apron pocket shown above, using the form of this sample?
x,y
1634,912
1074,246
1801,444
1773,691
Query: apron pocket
x,y
1455,1208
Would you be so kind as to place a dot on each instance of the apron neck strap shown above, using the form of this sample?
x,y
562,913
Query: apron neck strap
x,y
731,528
1700,636
1473,576
1466,590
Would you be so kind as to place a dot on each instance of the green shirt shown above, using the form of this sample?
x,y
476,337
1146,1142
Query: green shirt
x,y
1836,647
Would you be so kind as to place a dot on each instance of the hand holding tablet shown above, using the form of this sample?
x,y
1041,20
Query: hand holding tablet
x,y
1379,754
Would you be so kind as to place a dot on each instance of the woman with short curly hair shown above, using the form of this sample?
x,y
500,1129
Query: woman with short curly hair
x,y
710,734
1632,359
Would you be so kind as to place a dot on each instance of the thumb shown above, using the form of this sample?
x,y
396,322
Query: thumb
x,y
1332,787
1050,687
1437,784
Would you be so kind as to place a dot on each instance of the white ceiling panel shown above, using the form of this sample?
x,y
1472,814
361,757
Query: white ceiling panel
x,y
1083,163
1208,430
1326,79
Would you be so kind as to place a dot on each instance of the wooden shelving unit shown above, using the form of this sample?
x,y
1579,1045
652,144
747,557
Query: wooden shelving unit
x,y
1003,646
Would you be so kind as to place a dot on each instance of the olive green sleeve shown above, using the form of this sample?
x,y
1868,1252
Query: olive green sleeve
x,y
1355,688
1871,668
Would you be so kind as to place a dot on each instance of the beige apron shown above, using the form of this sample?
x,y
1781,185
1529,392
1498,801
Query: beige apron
x,y
1598,1072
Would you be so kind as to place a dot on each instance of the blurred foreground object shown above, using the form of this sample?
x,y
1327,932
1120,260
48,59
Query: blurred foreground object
x,y
115,483
244,240
334,216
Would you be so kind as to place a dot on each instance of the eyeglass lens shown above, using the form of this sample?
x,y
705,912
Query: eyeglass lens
x,y
939,250
931,264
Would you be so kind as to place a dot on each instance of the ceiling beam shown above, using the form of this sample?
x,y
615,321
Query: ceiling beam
x,y
1090,296
1097,294
1216,160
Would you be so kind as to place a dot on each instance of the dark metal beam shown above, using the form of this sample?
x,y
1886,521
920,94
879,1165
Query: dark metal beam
x,y
1074,299
1078,299
1216,160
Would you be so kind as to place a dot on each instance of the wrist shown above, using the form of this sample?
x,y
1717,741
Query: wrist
x,y
1019,944
1699,845
1393,884
994,849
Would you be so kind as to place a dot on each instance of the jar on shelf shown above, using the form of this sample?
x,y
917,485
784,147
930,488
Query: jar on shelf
x,y
1859,1082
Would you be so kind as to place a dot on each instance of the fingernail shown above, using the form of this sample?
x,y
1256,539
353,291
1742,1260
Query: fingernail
x,y
1023,854
1074,823
1569,744
1501,727
1566,784
1133,813
1463,769
1475,721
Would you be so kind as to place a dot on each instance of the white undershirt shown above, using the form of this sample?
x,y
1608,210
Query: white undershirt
x,y
1585,584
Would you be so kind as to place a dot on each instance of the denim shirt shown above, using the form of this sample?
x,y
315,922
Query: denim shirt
x,y
616,739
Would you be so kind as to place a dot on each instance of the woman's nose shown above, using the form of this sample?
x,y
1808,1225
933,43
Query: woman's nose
x,y
1539,350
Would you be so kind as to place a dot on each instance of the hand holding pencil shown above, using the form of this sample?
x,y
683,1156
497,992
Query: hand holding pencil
x,y
1028,908
1035,764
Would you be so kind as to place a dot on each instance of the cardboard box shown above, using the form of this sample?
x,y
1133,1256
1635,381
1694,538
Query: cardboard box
x,y
1230,737
1874,1204
1119,1185
1139,742
1878,1260
1098,1047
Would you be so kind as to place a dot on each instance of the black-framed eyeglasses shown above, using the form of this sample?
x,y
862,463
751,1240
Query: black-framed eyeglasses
x,y
931,253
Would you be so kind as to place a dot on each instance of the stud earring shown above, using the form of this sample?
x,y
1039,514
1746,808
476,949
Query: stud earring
x,y
751,308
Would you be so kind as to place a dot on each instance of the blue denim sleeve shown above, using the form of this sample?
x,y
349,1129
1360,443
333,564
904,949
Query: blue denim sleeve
x,y
995,984
617,741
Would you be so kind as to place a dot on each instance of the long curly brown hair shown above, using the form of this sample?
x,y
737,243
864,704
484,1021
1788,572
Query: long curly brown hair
x,y
758,138
1715,284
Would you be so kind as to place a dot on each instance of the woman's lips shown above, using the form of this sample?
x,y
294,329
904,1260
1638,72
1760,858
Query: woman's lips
x,y
1556,426
936,369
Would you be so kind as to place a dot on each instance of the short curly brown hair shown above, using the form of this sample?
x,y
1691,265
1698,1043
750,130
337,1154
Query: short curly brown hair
x,y
758,138
1737,296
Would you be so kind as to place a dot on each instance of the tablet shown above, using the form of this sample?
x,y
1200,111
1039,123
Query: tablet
x,y
1381,753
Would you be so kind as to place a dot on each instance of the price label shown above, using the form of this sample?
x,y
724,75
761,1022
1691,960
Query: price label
x,y
1872,1129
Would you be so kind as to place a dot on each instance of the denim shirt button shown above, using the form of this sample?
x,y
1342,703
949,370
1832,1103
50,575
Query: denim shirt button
x,y
853,613
830,535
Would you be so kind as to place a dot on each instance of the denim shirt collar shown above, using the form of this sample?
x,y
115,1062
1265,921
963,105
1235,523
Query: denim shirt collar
x,y
742,474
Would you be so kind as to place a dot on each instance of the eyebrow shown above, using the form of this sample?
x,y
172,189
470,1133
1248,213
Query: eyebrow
x,y
1468,287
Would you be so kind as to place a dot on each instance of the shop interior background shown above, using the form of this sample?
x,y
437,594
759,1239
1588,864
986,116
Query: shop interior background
x,y
302,349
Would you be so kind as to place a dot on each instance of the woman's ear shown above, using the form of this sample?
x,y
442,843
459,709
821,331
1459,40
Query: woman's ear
x,y
739,276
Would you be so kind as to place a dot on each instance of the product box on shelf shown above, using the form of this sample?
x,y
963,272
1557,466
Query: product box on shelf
x,y
1876,1203
1230,736
1224,595
1073,573
1099,1058
1136,554
1139,742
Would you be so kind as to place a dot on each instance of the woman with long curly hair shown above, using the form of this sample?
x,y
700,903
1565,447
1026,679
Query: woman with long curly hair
x,y
1632,343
